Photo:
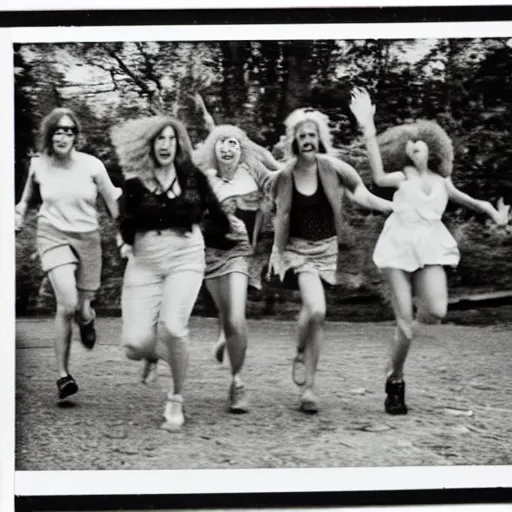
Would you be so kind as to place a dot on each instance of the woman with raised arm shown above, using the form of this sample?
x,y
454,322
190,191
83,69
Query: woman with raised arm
x,y
414,245
68,182
308,223
164,198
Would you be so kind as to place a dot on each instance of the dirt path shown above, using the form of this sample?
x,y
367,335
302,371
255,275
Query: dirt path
x,y
459,396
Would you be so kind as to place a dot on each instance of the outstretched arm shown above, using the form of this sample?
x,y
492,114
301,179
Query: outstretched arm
x,y
207,117
264,156
499,215
364,198
363,110
357,191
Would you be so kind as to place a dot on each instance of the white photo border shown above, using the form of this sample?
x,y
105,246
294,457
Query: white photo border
x,y
205,481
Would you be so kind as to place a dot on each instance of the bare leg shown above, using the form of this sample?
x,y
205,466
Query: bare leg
x,y
230,292
401,296
432,290
212,285
63,282
310,335
179,296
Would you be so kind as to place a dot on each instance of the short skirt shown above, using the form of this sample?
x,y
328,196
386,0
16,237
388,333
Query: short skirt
x,y
220,262
319,257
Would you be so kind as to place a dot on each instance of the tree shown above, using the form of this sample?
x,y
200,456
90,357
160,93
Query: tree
x,y
23,122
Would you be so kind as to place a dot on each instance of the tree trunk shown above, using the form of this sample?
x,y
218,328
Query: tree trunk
x,y
234,91
297,78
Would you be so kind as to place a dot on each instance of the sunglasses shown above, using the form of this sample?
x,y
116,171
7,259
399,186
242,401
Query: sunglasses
x,y
66,130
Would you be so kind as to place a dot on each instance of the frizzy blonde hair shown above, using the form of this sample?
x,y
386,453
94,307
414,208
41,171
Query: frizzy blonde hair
x,y
392,144
204,156
133,141
299,117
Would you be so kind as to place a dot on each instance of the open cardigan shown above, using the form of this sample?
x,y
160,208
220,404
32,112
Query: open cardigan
x,y
335,179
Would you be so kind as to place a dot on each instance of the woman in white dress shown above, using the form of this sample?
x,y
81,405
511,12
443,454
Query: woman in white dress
x,y
414,245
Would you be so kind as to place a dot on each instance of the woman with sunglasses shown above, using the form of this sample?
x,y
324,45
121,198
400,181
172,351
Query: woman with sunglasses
x,y
68,239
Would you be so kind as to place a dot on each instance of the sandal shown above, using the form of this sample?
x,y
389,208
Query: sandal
x,y
66,386
299,369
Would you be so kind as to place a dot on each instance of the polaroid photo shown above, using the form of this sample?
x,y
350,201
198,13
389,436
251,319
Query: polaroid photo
x,y
366,213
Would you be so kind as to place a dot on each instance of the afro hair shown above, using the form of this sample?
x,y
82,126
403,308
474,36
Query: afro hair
x,y
392,144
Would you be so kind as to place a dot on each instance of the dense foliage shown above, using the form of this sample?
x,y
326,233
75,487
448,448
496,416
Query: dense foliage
x,y
464,84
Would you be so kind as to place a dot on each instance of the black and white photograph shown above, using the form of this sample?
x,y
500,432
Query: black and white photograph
x,y
249,251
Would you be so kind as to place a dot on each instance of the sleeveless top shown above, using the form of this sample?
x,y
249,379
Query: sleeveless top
x,y
414,235
311,216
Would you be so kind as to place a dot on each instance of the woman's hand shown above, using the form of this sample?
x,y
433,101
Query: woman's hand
x,y
276,264
363,110
500,215
18,221
126,251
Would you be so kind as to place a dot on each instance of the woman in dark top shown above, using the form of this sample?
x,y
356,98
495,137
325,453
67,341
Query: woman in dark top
x,y
164,198
308,194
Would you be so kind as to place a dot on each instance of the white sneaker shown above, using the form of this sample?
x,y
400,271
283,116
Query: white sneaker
x,y
173,414
238,403
309,402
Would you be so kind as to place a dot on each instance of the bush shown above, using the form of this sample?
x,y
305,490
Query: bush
x,y
28,269
486,265
486,254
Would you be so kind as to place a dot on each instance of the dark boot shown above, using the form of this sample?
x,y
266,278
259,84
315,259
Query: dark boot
x,y
395,400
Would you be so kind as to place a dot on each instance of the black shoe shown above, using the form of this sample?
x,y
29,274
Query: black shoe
x,y
395,401
88,334
66,386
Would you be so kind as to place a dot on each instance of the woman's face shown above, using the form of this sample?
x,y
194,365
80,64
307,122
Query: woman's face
x,y
164,147
64,136
308,140
228,151
417,152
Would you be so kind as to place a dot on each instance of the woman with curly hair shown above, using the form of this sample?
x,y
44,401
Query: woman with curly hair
x,y
241,183
308,193
414,245
68,182
164,198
